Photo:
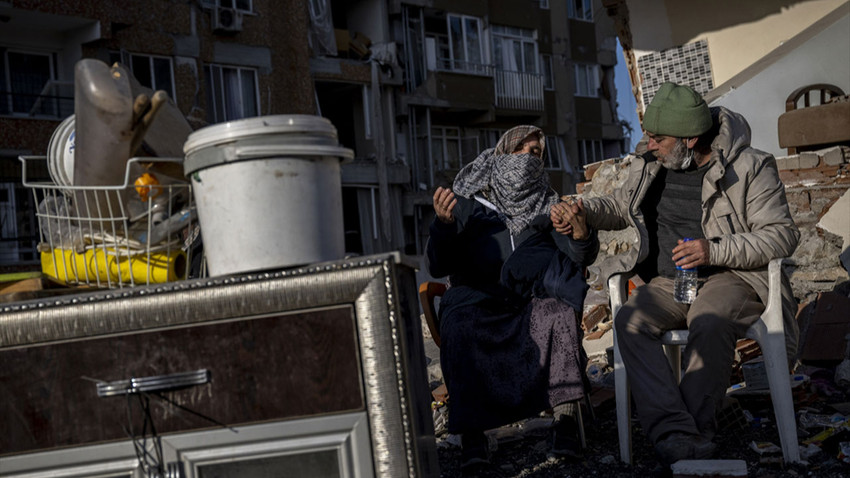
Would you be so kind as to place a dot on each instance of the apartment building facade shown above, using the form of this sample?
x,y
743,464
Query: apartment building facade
x,y
416,88
445,80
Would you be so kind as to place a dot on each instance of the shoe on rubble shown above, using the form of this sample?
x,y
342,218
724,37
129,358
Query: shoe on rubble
x,y
682,446
565,438
474,454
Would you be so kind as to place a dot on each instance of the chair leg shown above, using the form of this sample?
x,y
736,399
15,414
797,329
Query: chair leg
x,y
674,356
624,405
580,422
589,405
776,367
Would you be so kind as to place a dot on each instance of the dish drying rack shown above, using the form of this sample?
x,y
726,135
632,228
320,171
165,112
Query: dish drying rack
x,y
115,236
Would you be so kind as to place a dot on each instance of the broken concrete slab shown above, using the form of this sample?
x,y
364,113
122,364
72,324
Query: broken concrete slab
x,y
833,156
708,468
835,220
788,162
809,160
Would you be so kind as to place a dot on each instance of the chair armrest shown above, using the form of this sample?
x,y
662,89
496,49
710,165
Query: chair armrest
x,y
772,314
618,290
428,291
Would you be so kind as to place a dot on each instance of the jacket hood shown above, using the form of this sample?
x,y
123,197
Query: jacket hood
x,y
733,134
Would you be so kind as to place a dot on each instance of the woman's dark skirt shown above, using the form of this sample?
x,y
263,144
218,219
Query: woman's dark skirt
x,y
504,366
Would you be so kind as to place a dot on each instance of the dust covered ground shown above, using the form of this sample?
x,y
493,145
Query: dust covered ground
x,y
520,450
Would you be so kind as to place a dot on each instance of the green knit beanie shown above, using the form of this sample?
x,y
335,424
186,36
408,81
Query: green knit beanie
x,y
678,111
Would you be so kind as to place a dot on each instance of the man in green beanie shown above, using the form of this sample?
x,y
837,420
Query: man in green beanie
x,y
694,176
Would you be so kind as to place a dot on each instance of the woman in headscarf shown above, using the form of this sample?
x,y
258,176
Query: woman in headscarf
x,y
509,322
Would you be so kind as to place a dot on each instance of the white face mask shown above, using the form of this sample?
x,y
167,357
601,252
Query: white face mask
x,y
679,159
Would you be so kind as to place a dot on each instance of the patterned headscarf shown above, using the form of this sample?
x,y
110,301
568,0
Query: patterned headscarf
x,y
515,183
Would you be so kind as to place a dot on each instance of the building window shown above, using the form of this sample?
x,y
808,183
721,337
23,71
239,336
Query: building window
x,y
587,80
232,93
18,225
490,137
554,153
153,71
515,49
28,86
544,4
445,147
580,9
590,151
548,74
241,5
469,149
464,43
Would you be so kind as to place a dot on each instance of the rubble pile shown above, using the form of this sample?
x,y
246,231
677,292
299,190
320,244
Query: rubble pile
x,y
816,184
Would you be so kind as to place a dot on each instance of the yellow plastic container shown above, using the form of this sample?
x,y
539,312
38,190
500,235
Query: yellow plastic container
x,y
99,265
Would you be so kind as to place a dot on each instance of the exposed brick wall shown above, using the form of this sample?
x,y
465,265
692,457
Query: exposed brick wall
x,y
814,181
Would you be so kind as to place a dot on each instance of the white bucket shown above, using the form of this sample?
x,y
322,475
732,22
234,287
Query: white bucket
x,y
268,192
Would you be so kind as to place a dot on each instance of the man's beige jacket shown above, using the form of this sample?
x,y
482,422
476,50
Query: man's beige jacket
x,y
745,213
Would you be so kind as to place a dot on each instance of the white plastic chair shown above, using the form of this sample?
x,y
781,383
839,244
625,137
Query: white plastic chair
x,y
768,331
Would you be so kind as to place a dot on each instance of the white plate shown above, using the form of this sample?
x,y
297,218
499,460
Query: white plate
x,y
60,153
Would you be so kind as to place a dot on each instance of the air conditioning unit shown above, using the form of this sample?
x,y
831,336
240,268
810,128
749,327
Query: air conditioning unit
x,y
227,20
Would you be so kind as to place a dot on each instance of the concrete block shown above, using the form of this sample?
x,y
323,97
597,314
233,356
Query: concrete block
x,y
788,162
708,468
809,160
835,220
832,156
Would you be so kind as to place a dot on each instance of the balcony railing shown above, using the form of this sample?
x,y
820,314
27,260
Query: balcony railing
x,y
519,91
56,100
465,67
514,90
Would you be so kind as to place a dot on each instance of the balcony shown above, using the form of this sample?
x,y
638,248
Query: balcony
x,y
511,89
462,67
460,84
519,91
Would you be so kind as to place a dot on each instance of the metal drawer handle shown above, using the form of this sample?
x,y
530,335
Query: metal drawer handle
x,y
157,383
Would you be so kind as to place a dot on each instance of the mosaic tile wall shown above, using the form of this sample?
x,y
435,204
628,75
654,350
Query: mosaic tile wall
x,y
687,64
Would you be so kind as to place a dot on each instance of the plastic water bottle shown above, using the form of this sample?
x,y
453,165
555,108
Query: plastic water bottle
x,y
685,284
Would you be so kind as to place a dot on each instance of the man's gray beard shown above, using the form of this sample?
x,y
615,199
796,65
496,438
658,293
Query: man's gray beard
x,y
678,159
